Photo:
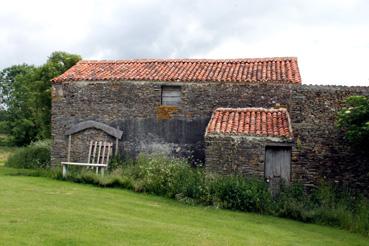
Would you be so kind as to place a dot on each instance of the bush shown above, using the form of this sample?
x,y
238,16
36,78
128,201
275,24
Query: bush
x,y
327,205
5,140
353,119
167,177
116,163
341,209
35,155
240,193
291,203
361,218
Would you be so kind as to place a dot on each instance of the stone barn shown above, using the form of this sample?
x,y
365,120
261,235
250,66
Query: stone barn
x,y
250,141
164,106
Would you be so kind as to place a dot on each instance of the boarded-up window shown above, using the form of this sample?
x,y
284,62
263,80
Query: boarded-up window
x,y
171,95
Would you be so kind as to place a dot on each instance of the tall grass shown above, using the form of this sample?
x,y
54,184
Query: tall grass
x,y
35,155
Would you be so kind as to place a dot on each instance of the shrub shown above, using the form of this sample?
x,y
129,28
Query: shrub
x,y
340,208
5,140
327,205
116,163
353,119
35,155
292,203
240,193
361,218
169,177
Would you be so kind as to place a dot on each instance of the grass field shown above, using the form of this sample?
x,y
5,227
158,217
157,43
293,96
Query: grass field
x,y
42,211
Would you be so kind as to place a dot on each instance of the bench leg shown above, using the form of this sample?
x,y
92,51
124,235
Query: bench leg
x,y
102,171
97,170
64,171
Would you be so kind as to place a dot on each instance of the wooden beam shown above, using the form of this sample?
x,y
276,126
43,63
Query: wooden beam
x,y
116,146
94,152
110,147
103,153
99,152
89,152
69,146
64,170
83,164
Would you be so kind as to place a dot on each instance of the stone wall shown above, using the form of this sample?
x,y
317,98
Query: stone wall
x,y
81,143
235,154
322,152
135,107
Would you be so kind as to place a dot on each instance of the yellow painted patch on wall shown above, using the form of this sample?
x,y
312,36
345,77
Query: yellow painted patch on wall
x,y
164,112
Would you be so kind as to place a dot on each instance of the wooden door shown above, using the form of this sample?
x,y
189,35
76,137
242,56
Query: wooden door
x,y
277,166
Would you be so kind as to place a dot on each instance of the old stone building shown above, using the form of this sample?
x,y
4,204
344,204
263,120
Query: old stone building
x,y
250,141
165,106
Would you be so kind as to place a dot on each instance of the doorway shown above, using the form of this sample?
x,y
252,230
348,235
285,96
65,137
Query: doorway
x,y
277,166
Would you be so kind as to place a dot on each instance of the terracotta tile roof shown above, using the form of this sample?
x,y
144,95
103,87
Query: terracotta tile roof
x,y
251,122
275,70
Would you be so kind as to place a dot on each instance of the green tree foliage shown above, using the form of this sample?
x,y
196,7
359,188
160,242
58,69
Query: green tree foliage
x,y
353,119
7,78
26,97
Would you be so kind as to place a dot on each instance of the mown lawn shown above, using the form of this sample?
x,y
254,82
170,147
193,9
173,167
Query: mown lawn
x,y
42,211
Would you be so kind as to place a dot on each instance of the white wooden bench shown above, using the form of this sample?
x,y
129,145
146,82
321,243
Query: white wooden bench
x,y
99,154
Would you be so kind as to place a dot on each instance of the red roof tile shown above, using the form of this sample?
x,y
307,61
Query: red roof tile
x,y
251,122
283,70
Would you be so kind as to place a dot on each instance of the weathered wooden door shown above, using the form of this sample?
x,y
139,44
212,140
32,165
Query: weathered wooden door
x,y
277,166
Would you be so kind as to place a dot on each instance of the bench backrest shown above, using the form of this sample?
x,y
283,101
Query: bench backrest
x,y
100,152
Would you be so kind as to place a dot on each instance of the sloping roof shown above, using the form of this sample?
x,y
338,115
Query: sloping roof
x,y
283,70
260,122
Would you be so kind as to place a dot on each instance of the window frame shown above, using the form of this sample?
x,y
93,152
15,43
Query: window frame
x,y
174,88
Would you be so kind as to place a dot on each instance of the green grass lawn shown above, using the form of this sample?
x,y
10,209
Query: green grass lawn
x,y
42,211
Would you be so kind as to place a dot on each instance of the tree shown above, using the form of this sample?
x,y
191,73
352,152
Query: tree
x,y
57,64
26,97
7,78
353,119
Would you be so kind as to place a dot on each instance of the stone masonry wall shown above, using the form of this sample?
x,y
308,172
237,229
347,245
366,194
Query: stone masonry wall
x,y
135,107
320,151
234,154
81,142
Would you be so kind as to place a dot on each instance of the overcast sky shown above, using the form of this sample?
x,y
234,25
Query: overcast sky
x,y
329,37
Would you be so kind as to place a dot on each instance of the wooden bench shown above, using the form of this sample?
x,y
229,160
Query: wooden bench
x,y
99,154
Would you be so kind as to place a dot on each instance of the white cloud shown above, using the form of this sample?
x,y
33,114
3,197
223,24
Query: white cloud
x,y
330,38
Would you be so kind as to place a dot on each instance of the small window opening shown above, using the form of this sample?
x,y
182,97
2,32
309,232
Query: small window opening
x,y
170,95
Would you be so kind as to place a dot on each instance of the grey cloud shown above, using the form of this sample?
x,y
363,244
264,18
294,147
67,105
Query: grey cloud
x,y
164,30
189,28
